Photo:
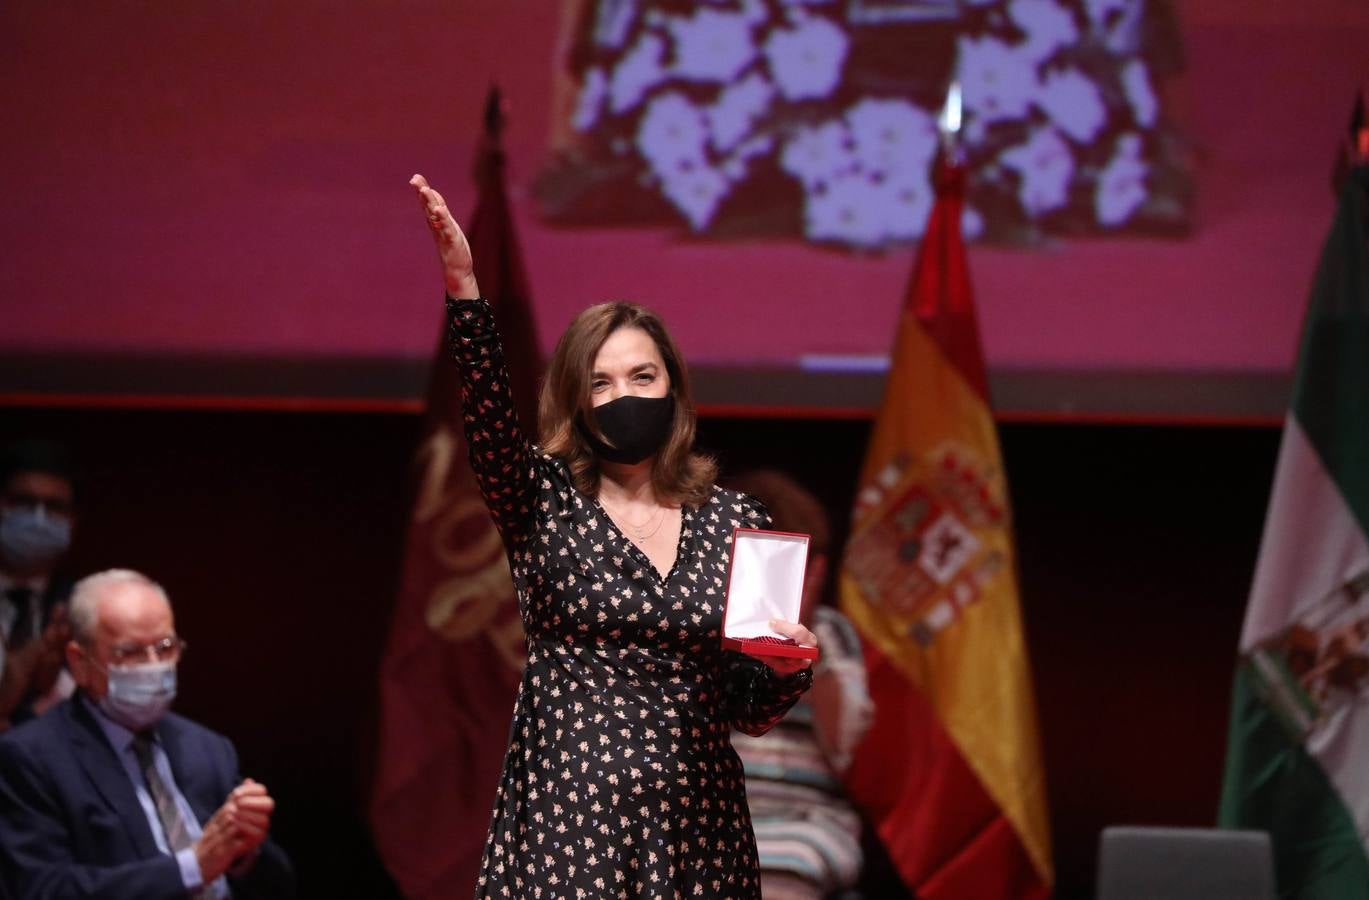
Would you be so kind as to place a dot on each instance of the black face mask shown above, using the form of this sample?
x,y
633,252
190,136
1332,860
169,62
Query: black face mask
x,y
635,427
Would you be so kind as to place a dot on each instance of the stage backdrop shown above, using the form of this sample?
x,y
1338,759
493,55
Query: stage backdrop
x,y
213,200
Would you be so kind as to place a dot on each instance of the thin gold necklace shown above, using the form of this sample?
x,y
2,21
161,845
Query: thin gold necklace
x,y
638,533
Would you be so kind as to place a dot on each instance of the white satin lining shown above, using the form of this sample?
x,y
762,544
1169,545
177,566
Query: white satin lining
x,y
766,582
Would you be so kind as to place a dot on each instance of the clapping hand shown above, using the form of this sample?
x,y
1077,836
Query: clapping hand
x,y
236,829
52,650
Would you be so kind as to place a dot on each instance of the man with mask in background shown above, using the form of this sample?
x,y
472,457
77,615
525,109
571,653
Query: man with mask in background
x,y
109,794
37,511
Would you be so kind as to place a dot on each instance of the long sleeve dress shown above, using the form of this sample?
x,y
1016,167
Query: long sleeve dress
x,y
620,780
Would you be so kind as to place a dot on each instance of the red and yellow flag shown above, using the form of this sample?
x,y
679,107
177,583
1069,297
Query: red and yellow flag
x,y
951,771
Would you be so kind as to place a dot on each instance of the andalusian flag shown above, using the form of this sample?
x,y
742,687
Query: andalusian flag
x,y
1298,753
951,770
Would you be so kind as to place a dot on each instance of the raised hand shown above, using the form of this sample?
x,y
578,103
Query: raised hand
x,y
788,665
458,267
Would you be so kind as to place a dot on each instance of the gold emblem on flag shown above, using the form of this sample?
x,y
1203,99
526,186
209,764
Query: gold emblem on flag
x,y
929,535
474,595
1320,664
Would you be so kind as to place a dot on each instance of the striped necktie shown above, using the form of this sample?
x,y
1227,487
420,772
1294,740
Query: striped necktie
x,y
168,812
173,823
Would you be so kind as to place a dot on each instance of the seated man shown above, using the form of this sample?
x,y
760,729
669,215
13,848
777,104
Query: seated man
x,y
111,795
807,833
37,511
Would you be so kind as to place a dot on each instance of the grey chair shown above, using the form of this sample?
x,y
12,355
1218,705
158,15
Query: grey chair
x,y
1184,864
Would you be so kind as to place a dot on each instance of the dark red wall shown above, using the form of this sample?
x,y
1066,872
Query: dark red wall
x,y
278,534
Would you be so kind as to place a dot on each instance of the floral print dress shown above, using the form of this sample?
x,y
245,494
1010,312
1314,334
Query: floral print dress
x,y
620,780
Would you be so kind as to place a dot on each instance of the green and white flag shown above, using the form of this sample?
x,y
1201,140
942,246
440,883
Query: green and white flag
x,y
1297,760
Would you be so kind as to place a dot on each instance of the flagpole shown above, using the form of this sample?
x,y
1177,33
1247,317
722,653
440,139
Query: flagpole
x,y
1355,151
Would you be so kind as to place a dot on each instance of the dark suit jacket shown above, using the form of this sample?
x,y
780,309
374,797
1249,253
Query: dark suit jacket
x,y
71,825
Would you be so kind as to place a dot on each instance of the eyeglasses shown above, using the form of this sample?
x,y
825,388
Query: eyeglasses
x,y
52,505
165,650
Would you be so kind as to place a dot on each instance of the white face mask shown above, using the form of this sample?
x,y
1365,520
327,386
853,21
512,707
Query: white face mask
x,y
138,696
33,539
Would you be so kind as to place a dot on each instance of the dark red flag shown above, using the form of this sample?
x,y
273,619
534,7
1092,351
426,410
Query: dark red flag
x,y
455,653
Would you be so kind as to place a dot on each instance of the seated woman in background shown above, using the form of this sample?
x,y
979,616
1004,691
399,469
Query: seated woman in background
x,y
807,833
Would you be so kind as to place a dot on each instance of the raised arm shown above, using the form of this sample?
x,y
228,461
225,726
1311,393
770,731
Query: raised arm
x,y
458,266
500,454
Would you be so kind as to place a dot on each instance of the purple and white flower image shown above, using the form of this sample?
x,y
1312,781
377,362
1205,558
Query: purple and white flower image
x,y
847,209
1122,184
1145,106
1073,103
971,223
696,192
672,135
819,154
637,72
999,79
1048,26
1117,23
906,201
613,22
737,163
711,45
733,116
806,59
865,176
1045,167
590,103
892,135
816,119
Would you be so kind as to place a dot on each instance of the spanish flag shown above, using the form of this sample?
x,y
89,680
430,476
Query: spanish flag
x,y
950,773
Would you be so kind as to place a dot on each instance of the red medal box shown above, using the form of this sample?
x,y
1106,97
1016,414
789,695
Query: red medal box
x,y
764,582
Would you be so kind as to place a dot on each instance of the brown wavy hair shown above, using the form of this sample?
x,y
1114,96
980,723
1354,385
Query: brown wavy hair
x,y
678,474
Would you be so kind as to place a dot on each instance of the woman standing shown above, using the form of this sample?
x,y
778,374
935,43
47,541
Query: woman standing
x,y
620,780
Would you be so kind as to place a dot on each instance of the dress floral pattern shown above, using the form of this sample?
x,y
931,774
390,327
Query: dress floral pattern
x,y
620,780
